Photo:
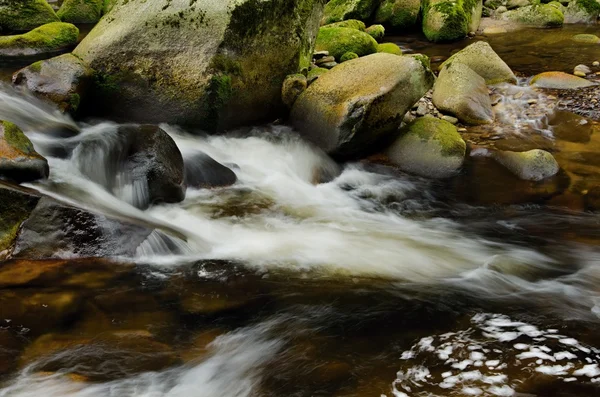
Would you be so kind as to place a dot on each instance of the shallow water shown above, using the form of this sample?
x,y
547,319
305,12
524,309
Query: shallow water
x,y
373,282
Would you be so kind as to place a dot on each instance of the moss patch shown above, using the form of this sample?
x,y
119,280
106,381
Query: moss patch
x,y
339,41
399,14
340,10
376,31
22,15
81,11
389,48
16,138
444,133
348,56
539,15
50,37
350,23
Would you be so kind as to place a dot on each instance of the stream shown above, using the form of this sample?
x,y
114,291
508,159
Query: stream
x,y
372,283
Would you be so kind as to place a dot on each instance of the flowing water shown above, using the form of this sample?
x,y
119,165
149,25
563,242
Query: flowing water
x,y
372,283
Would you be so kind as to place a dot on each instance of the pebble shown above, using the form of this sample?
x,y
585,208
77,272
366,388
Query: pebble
x,y
422,109
532,101
462,129
552,97
438,59
519,94
320,54
329,65
579,73
325,59
450,119
583,69
596,63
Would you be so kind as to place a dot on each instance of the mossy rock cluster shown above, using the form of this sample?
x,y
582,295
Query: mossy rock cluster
x,y
538,15
582,11
24,15
339,41
399,14
340,10
449,20
81,11
51,37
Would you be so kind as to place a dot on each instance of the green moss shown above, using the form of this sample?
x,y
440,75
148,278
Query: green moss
x,y
449,20
429,127
81,11
49,37
542,15
350,23
592,7
16,138
376,31
424,60
74,102
314,73
339,41
36,67
218,93
15,208
109,4
389,48
340,10
399,14
586,38
348,56
23,15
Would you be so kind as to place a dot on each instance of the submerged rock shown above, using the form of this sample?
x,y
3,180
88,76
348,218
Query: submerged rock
x,y
582,11
586,38
19,162
447,20
361,101
533,165
213,64
23,15
482,59
559,80
399,14
51,37
429,147
338,41
463,93
339,10
540,16
63,80
202,171
81,11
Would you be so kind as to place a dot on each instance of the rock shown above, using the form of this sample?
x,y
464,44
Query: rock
x,y
293,86
314,74
320,55
582,70
350,23
81,11
339,41
512,4
570,127
399,14
326,59
422,109
533,165
19,162
501,10
389,48
462,92
348,56
429,147
63,80
447,20
214,64
450,119
596,64
329,65
559,80
376,31
340,10
52,37
24,15
16,204
539,16
482,59
582,11
492,4
361,101
202,171
142,165
586,38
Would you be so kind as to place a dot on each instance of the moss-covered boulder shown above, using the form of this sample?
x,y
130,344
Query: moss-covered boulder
x,y
357,103
63,80
460,91
399,14
582,11
538,15
586,38
533,165
23,15
448,20
376,31
482,59
559,81
81,11
19,162
52,37
293,86
339,41
349,56
15,206
340,10
350,23
429,147
213,64
389,48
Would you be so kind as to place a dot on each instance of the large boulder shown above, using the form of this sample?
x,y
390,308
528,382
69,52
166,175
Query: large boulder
x,y
482,59
448,20
340,10
338,41
560,81
460,91
214,64
582,11
399,14
63,80
81,11
361,101
429,147
539,16
52,37
140,164
19,162
23,15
